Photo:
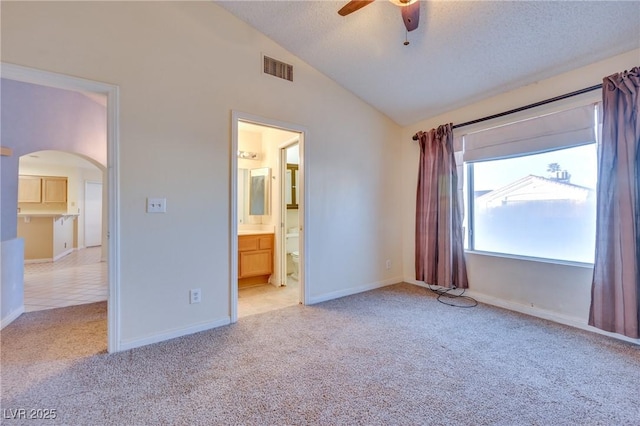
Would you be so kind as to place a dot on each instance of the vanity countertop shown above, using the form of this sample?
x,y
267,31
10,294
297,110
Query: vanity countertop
x,y
253,232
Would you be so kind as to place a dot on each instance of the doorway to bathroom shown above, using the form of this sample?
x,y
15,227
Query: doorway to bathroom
x,y
268,216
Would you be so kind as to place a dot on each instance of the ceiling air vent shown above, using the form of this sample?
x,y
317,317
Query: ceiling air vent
x,y
278,69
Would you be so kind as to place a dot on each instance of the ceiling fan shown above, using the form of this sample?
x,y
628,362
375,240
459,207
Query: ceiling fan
x,y
410,10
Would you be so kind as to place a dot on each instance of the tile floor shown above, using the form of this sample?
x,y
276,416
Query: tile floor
x,y
266,297
81,278
76,279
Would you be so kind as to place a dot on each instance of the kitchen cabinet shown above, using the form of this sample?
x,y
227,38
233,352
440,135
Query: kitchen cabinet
x,y
255,259
29,189
42,189
54,189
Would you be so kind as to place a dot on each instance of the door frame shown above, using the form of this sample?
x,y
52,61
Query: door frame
x,y
236,117
282,170
84,231
112,92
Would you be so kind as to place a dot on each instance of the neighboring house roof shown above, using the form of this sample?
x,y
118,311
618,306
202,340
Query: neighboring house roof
x,y
533,188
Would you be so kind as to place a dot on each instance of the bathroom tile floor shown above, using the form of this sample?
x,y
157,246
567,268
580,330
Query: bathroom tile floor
x,y
266,297
76,279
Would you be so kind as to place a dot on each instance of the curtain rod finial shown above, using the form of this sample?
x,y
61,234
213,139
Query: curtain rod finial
x,y
415,137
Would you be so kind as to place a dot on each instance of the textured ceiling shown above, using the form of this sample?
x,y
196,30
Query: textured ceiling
x,y
463,51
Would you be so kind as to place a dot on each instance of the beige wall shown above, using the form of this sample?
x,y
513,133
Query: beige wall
x,y
182,67
551,290
251,142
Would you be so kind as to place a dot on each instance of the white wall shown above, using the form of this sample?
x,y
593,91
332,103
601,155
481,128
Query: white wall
x,y
12,275
251,142
551,290
62,237
92,175
181,68
293,155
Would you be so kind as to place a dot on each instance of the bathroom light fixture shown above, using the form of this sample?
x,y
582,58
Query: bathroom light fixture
x,y
248,155
402,2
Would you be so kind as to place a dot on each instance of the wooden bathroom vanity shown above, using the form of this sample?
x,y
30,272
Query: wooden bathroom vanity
x,y
255,258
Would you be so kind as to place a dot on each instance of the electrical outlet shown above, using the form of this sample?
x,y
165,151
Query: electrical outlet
x,y
388,264
194,295
156,205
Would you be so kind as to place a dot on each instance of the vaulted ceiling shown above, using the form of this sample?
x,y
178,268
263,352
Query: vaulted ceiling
x,y
462,52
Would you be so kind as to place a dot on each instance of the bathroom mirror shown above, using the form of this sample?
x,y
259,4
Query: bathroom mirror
x,y
259,191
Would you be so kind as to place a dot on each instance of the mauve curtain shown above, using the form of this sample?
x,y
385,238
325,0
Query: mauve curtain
x,y
615,289
439,239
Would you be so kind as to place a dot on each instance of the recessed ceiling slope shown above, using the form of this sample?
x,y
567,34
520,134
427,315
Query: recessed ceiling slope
x,y
462,52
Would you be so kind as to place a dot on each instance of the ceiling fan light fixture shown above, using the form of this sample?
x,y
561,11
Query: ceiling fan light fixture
x,y
409,9
402,3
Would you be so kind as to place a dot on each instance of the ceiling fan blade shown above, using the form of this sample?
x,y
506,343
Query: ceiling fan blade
x,y
411,15
352,6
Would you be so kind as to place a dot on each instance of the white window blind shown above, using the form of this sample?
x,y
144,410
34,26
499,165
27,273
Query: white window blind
x,y
563,129
457,152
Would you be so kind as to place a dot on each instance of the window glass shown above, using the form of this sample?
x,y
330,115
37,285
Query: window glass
x,y
539,205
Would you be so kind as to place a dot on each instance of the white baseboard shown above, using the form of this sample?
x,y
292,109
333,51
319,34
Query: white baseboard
x,y
537,312
11,317
353,290
49,259
28,261
172,334
545,314
63,254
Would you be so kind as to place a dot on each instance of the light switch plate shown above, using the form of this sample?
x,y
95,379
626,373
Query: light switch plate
x,y
195,295
156,205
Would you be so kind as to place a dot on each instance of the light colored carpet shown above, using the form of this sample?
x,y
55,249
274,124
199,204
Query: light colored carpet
x,y
388,356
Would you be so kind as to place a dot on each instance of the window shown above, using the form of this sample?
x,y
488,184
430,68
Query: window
x,y
537,203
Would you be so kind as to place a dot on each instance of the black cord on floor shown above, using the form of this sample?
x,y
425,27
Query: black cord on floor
x,y
467,301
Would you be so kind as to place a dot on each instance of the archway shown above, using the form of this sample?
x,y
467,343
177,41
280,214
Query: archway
x,y
22,110
56,214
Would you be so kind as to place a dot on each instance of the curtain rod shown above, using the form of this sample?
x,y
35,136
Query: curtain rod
x,y
523,108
